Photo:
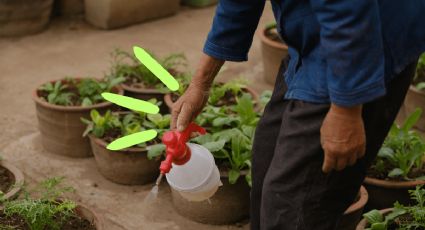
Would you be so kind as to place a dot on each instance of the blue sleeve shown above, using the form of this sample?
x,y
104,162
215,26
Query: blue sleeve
x,y
351,40
233,29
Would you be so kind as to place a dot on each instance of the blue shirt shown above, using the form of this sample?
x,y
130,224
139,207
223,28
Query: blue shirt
x,y
341,51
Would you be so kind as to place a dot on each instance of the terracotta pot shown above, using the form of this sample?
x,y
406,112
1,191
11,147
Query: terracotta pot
x,y
415,99
146,94
384,193
364,224
255,97
61,127
18,179
273,53
199,3
129,167
354,213
90,215
24,17
229,205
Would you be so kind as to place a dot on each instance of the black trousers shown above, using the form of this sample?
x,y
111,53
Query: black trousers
x,y
289,190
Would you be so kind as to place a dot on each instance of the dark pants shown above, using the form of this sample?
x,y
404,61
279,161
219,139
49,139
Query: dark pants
x,y
289,189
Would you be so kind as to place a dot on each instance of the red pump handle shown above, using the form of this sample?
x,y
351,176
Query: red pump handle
x,y
176,149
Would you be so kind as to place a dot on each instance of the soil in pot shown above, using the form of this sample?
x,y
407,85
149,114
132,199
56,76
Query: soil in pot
x,y
60,107
229,205
73,223
6,179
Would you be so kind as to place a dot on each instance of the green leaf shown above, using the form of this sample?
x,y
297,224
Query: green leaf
x,y
214,146
420,86
395,173
203,139
86,102
220,121
155,151
373,217
386,152
412,120
233,176
378,226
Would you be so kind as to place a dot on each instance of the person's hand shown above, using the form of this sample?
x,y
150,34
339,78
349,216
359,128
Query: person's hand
x,y
188,106
342,137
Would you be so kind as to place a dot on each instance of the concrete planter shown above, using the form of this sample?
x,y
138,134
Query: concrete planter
x,y
229,205
24,17
274,52
129,166
415,99
111,14
199,3
69,7
61,127
18,179
383,193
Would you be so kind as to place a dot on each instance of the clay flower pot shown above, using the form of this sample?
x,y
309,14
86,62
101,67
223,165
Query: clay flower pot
x,y
18,179
229,205
255,97
199,3
129,166
273,53
24,17
89,215
146,94
364,224
61,127
384,193
354,213
415,99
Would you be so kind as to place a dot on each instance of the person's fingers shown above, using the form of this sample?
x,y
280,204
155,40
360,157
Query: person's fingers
x,y
185,117
352,160
328,163
174,115
341,163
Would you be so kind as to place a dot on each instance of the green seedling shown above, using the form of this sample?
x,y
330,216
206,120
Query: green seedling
x,y
403,150
420,73
414,216
49,210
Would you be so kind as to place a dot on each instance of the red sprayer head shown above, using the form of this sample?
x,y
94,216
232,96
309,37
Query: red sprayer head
x,y
176,149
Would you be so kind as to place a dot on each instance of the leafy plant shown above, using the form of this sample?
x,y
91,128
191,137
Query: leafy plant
x,y
420,73
48,211
403,150
219,90
70,92
401,217
126,65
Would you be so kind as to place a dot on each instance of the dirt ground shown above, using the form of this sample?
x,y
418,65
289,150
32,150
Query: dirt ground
x,y
72,48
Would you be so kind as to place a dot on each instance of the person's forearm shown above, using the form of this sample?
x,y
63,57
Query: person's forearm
x,y
207,70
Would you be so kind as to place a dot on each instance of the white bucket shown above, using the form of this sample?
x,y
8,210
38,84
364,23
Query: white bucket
x,y
199,178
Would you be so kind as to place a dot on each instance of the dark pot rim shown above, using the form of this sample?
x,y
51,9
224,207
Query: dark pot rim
x,y
140,90
18,176
267,41
254,94
45,104
417,91
363,223
103,144
392,184
360,203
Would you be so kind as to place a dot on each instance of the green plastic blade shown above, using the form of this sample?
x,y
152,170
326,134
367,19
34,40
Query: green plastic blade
x,y
131,103
133,139
156,68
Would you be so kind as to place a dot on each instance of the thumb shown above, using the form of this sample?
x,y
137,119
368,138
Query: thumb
x,y
185,117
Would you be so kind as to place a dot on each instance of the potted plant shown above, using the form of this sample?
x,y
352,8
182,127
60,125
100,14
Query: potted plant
x,y
353,214
274,51
199,3
398,167
45,208
130,166
415,97
61,103
399,217
140,82
112,14
24,17
11,180
221,94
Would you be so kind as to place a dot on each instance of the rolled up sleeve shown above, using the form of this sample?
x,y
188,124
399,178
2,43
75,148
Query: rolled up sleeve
x,y
233,29
351,39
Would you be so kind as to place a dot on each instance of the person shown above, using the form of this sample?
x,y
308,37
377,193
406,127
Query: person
x,y
351,63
